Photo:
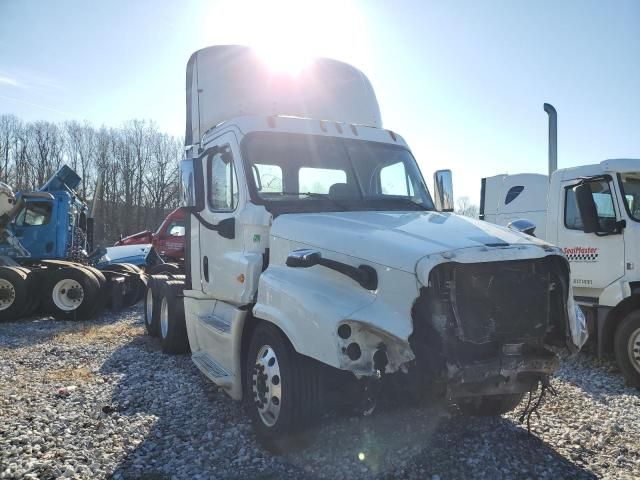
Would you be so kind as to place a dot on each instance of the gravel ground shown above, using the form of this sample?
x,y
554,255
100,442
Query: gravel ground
x,y
98,399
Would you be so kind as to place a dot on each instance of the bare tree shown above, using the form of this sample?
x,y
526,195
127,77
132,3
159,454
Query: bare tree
x,y
8,126
466,208
80,143
137,163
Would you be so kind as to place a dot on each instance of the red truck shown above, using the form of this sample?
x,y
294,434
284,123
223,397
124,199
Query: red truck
x,y
168,240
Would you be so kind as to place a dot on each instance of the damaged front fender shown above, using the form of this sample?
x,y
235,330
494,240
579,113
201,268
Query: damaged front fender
x,y
366,350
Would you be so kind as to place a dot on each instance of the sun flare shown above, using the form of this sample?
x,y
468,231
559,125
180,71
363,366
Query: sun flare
x,y
284,58
289,34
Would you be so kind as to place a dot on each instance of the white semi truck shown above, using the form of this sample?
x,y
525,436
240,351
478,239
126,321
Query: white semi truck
x,y
593,213
318,267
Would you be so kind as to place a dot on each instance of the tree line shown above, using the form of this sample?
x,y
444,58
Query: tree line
x,y
138,165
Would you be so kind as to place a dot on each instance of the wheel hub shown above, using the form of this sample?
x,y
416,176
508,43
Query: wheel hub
x,y
164,318
67,294
267,389
149,306
7,294
633,349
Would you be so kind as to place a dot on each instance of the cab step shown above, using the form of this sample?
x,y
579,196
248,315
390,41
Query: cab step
x,y
212,369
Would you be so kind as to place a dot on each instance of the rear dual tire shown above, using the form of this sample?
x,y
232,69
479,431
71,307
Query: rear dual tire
x,y
134,286
14,288
73,293
152,301
172,323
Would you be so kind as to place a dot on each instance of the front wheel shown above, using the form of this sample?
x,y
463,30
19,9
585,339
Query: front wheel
x,y
627,348
283,389
489,405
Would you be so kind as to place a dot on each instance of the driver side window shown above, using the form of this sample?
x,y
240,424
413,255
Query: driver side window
x,y
601,191
222,183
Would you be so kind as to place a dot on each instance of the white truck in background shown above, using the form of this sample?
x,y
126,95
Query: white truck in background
x,y
592,212
319,269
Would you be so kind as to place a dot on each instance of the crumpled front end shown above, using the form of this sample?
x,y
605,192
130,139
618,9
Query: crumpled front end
x,y
483,328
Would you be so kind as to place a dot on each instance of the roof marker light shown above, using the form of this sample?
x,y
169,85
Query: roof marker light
x,y
271,121
354,130
323,126
392,135
338,127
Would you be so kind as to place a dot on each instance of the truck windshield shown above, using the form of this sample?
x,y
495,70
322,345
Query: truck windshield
x,y
630,183
328,173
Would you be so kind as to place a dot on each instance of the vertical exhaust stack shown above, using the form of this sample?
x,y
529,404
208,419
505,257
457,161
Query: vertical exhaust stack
x,y
553,138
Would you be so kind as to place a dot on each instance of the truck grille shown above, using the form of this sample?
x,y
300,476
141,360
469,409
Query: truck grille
x,y
501,301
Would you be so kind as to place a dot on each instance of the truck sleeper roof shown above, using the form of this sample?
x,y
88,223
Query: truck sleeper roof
x,y
228,81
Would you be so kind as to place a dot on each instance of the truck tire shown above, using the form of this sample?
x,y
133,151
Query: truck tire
x,y
626,343
165,268
101,298
33,285
13,293
282,390
173,327
134,285
489,405
71,293
152,301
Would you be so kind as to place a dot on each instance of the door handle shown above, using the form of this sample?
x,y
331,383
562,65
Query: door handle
x,y
205,268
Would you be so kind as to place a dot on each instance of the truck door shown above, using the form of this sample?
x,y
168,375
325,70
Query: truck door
x,y
221,246
35,228
596,260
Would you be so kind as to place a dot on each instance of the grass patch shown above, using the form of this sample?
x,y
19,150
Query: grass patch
x,y
68,375
87,333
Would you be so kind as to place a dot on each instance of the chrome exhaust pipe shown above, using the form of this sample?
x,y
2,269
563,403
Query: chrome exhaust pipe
x,y
553,137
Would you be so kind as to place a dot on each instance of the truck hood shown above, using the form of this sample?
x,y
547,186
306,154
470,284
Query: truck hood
x,y
394,239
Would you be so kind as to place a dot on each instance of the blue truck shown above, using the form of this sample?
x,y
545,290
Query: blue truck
x,y
45,264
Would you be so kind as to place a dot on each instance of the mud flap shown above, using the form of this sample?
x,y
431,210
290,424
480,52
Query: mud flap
x,y
116,293
577,325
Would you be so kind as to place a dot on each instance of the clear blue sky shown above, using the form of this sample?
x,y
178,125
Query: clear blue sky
x,y
463,82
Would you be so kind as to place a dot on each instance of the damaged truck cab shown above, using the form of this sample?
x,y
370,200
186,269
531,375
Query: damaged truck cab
x,y
316,257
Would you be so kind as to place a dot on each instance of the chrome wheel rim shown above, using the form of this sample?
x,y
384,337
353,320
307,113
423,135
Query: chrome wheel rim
x,y
67,294
8,294
149,306
633,349
267,385
164,318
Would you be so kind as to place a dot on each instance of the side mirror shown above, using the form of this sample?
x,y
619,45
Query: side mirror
x,y
192,184
227,228
523,226
443,190
303,258
587,208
